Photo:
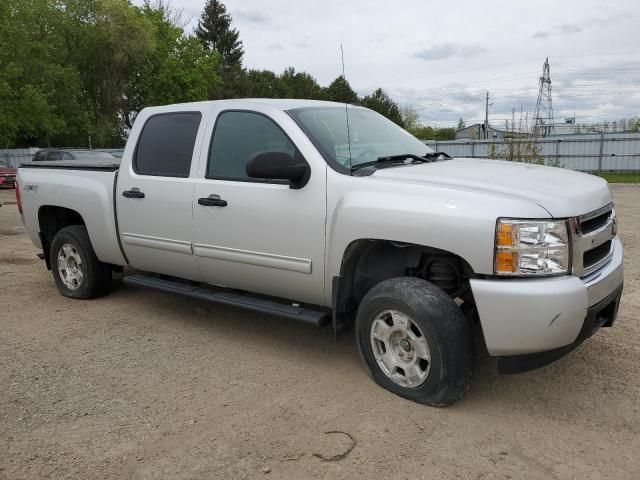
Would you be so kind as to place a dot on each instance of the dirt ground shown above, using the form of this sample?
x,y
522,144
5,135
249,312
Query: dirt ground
x,y
147,385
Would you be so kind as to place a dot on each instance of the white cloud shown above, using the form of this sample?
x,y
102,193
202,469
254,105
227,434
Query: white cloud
x,y
448,50
441,57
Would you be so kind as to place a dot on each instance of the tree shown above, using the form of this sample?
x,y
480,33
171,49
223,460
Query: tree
x,y
461,125
410,118
340,91
75,72
178,69
622,125
216,34
380,102
521,144
110,42
42,96
300,85
264,84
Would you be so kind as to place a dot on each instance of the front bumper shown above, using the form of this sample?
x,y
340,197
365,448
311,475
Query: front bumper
x,y
529,316
602,314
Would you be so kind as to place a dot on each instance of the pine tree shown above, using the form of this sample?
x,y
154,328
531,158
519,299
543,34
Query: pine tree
x,y
341,91
380,102
461,125
215,32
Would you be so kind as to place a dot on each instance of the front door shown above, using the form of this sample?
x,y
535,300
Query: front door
x,y
261,236
155,196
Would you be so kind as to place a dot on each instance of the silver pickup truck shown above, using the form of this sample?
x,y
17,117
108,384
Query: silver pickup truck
x,y
333,215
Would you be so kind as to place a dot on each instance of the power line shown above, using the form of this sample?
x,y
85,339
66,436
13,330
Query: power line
x,y
492,67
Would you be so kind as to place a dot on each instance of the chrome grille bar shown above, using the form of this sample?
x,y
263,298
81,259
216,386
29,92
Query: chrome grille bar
x,y
587,241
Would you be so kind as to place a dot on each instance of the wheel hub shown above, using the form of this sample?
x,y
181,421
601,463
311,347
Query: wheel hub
x,y
70,267
400,348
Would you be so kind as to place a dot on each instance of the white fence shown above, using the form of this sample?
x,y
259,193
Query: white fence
x,y
607,152
15,156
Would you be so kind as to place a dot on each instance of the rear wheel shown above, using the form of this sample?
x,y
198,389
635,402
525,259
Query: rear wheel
x,y
76,270
415,341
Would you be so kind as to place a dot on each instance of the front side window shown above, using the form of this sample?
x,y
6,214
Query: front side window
x,y
367,136
166,144
237,137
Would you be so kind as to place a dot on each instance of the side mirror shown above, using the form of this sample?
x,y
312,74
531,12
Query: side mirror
x,y
279,166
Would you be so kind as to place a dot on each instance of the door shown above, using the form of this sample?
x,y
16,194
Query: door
x,y
261,236
155,196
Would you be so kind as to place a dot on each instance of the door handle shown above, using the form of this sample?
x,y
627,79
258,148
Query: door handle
x,y
133,193
212,201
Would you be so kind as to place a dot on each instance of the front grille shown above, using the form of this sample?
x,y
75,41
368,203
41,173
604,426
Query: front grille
x,y
597,254
592,237
595,223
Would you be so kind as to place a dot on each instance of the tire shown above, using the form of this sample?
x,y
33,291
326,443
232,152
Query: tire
x,y
72,246
434,319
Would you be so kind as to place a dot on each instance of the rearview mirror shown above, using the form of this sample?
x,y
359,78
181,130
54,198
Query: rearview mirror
x,y
279,166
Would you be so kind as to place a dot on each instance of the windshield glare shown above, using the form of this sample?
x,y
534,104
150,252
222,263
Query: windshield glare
x,y
371,135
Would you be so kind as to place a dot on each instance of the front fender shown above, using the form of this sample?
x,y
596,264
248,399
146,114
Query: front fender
x,y
460,222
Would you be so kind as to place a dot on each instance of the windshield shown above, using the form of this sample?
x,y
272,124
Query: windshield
x,y
372,135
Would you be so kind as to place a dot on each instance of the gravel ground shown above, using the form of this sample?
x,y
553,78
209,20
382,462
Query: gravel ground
x,y
147,385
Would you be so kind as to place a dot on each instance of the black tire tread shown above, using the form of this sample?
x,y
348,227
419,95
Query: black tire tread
x,y
450,330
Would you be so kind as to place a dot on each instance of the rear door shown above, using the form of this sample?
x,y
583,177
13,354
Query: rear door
x,y
154,194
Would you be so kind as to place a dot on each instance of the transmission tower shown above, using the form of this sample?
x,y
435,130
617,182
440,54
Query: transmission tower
x,y
543,119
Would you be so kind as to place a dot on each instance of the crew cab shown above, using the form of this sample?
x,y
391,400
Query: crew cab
x,y
333,215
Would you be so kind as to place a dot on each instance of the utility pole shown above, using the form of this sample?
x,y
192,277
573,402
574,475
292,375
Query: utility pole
x,y
486,118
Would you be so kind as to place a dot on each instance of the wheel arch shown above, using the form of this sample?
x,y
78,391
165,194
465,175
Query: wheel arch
x,y
367,262
52,219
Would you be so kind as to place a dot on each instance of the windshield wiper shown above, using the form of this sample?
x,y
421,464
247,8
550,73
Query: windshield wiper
x,y
436,155
401,159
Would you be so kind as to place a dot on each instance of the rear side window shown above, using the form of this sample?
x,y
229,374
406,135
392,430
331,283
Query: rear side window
x,y
165,146
55,156
238,136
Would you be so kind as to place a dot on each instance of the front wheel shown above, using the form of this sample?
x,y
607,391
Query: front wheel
x,y
415,341
76,270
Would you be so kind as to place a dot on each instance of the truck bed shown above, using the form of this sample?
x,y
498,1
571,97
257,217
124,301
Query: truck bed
x,y
83,187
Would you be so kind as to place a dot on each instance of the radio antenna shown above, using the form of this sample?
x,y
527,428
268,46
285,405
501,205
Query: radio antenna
x,y
346,108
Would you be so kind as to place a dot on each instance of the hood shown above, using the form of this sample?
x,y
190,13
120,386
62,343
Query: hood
x,y
562,192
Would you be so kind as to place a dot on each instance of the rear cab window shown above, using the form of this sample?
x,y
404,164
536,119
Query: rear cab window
x,y
166,143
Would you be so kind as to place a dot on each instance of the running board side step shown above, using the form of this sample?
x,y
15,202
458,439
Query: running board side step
x,y
246,301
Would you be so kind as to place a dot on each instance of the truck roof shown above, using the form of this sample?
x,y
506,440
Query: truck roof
x,y
279,103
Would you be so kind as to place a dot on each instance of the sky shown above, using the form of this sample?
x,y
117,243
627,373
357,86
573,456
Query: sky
x,y
441,57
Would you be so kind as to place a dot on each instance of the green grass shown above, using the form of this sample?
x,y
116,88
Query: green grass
x,y
619,177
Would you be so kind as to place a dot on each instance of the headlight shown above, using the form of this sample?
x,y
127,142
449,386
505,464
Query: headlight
x,y
531,247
